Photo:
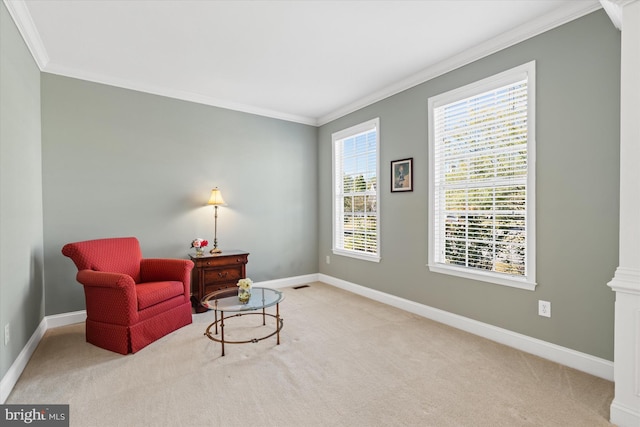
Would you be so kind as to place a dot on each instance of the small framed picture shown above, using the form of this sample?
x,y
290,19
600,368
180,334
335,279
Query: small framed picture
x,y
402,175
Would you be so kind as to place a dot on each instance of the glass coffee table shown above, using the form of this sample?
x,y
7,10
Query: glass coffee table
x,y
226,301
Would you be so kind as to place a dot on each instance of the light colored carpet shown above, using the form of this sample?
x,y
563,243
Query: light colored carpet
x,y
344,360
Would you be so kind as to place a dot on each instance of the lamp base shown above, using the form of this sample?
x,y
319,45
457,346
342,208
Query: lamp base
x,y
215,251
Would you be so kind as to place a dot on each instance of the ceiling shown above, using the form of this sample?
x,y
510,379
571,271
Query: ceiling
x,y
302,61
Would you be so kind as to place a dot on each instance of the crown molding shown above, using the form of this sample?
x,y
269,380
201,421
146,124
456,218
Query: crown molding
x,y
626,280
570,12
22,18
57,69
573,10
614,10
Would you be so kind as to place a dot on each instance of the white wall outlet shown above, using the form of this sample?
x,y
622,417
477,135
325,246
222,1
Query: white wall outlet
x,y
328,259
7,337
544,308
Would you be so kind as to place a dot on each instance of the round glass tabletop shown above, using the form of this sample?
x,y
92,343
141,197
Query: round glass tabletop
x,y
227,299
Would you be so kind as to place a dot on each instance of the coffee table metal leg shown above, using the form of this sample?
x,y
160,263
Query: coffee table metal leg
x,y
222,330
216,320
278,322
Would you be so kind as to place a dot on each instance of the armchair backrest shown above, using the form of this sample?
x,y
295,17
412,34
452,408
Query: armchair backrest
x,y
114,255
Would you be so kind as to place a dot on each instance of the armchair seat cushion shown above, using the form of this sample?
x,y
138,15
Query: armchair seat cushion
x,y
152,293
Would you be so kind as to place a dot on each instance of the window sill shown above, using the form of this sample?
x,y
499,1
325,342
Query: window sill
x,y
364,257
503,280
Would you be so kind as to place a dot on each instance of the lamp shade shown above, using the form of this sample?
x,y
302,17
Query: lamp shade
x,y
216,198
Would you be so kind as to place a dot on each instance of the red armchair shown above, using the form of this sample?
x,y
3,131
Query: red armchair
x,y
131,301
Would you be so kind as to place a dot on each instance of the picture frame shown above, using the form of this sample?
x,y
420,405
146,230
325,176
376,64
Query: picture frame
x,y
402,175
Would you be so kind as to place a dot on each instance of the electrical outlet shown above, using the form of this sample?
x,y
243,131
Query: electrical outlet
x,y
6,334
544,308
328,259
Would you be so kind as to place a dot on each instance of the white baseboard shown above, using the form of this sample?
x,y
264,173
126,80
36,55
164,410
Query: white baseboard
x,y
64,319
288,281
574,359
48,322
11,377
622,415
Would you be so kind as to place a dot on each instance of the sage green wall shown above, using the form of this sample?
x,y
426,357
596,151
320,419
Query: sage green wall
x,y
118,162
577,125
21,264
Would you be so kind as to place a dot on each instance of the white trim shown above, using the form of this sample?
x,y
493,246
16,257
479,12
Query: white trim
x,y
64,319
583,362
288,281
357,255
365,126
177,94
22,18
474,89
48,322
622,415
338,217
625,408
614,10
483,276
572,11
565,356
626,280
11,377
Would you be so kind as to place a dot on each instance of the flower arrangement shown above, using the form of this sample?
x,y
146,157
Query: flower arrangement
x,y
244,290
199,243
244,284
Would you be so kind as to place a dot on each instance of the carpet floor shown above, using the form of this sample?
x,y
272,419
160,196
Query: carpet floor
x,y
344,360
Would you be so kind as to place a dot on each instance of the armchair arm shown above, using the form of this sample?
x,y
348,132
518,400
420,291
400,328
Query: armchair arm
x,y
104,279
161,269
109,297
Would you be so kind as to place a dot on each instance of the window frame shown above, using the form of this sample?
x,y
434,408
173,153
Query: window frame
x,y
476,89
338,216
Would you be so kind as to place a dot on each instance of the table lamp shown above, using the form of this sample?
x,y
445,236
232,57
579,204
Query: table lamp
x,y
216,200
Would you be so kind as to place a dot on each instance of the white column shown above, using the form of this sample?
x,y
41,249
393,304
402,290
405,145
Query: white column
x,y
625,408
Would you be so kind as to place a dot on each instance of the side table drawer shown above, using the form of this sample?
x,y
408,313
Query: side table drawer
x,y
212,287
221,261
222,275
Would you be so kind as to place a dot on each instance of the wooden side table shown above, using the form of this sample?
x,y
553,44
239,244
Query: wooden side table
x,y
213,272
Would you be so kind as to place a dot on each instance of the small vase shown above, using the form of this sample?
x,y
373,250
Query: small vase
x,y
199,251
244,295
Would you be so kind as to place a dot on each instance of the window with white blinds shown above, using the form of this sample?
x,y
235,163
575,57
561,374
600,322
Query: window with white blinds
x,y
355,191
482,177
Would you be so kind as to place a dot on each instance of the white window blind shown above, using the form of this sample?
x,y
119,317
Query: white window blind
x,y
481,180
355,191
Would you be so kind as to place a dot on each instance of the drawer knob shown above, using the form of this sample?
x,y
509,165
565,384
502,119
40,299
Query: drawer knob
x,y
223,274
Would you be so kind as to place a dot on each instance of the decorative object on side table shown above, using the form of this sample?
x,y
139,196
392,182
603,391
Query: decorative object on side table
x,y
216,200
244,290
199,245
